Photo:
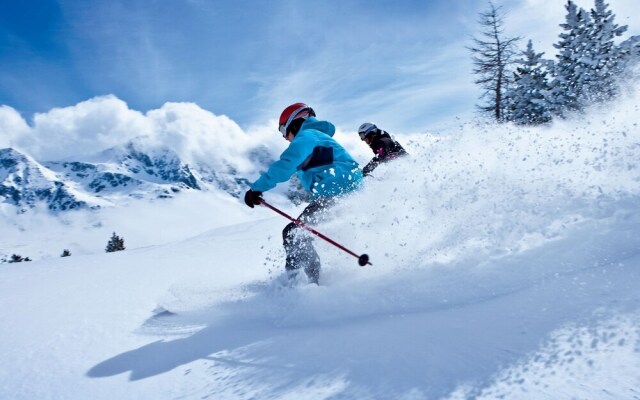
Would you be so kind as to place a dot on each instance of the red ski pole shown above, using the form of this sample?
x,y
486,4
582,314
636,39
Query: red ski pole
x,y
362,259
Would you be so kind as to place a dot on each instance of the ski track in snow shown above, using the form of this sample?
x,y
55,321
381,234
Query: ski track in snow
x,y
506,264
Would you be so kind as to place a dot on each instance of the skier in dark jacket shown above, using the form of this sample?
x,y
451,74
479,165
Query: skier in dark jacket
x,y
382,144
324,168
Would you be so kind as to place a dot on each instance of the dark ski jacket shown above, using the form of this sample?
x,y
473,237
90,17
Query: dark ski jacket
x,y
384,148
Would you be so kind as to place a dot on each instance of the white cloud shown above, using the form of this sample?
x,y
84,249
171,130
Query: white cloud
x,y
84,128
103,122
195,133
12,127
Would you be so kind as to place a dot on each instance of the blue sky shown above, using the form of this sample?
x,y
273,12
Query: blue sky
x,y
402,64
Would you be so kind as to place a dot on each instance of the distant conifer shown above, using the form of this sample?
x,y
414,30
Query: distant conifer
x,y
16,258
116,243
492,60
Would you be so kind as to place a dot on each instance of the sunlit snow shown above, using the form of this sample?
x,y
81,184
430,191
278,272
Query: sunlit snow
x,y
506,264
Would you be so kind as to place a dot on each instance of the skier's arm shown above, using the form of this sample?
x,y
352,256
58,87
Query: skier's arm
x,y
370,166
282,169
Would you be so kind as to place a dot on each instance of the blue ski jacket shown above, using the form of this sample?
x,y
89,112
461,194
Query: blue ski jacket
x,y
324,167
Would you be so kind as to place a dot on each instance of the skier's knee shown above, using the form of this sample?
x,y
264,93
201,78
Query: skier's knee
x,y
288,232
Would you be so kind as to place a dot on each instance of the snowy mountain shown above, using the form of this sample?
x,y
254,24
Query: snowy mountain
x,y
129,170
24,183
133,171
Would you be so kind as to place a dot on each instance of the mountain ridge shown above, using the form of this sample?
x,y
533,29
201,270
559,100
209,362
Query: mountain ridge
x,y
129,171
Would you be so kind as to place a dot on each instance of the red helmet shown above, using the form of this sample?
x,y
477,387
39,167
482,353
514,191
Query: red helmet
x,y
291,113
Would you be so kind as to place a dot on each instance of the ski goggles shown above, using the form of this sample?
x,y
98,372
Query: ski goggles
x,y
283,130
363,134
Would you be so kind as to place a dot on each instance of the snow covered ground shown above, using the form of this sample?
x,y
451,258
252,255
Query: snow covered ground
x,y
506,264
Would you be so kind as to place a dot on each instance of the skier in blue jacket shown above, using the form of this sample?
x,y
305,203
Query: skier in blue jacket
x,y
324,168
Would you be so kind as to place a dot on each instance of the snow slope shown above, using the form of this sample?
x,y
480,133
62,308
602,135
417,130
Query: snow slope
x,y
563,318
506,264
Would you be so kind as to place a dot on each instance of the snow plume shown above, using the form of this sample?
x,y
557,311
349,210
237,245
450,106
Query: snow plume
x,y
462,202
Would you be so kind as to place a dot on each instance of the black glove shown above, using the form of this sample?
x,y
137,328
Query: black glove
x,y
252,198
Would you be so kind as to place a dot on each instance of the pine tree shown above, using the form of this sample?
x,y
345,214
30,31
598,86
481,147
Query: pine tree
x,y
571,71
605,57
529,97
492,58
16,258
589,62
116,243
629,57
